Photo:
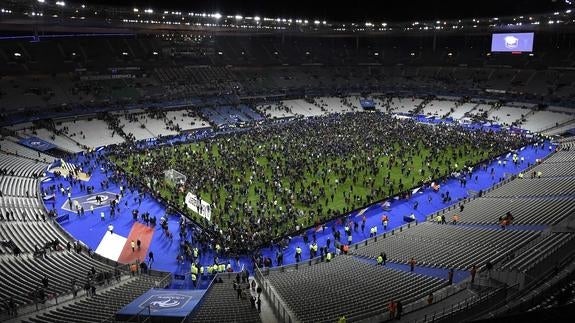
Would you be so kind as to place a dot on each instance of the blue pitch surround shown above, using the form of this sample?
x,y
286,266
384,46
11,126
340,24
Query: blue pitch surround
x,y
90,229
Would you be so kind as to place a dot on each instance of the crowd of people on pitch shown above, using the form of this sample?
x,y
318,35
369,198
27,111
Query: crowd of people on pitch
x,y
265,182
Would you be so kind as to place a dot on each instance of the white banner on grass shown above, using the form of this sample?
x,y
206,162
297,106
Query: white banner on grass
x,y
199,206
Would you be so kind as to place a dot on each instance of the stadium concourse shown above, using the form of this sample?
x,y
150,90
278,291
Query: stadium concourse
x,y
115,235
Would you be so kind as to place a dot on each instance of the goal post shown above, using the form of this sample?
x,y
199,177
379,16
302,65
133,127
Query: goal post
x,y
175,177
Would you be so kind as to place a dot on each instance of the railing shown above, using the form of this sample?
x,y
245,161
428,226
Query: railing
x,y
282,311
538,295
438,296
452,312
144,315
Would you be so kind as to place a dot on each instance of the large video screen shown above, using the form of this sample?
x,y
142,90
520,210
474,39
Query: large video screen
x,y
515,42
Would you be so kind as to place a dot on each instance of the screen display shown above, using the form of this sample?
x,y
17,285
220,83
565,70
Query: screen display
x,y
515,42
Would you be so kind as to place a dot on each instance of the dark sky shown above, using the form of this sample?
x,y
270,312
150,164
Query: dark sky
x,y
354,10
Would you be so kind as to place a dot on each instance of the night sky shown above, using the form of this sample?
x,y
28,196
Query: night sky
x,y
357,10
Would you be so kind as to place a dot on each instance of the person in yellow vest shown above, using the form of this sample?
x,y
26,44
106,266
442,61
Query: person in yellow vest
x,y
221,268
328,257
196,252
380,260
201,270
297,254
194,280
342,319
194,269
210,270
214,269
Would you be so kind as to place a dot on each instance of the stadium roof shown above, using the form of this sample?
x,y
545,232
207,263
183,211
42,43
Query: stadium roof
x,y
354,11
323,17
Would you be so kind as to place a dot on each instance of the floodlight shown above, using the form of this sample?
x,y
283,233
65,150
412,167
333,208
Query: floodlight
x,y
17,54
217,15
41,1
60,3
256,18
136,10
238,17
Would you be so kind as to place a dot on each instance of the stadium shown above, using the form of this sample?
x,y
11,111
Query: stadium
x,y
161,162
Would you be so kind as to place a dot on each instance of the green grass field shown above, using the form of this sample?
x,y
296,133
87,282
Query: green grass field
x,y
252,173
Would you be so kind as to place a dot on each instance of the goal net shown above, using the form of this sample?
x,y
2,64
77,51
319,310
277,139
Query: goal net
x,y
175,177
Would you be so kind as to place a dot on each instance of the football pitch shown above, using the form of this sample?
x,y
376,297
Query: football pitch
x,y
305,172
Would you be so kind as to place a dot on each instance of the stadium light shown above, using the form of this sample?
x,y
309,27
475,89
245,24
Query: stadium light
x,y
317,22
124,53
154,53
61,3
239,17
149,11
17,54
41,1
256,18
136,10
217,15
